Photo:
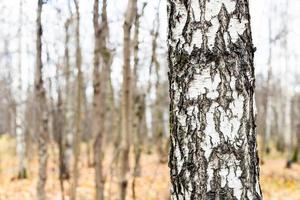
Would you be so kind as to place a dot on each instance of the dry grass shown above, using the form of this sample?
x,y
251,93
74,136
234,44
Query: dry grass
x,y
278,183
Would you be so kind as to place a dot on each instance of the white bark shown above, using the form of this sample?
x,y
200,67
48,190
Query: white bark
x,y
20,107
213,137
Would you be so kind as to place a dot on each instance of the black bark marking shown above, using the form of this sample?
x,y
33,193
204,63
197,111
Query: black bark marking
x,y
232,62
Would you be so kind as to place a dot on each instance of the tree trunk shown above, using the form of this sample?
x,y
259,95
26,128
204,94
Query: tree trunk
x,y
126,99
280,140
58,128
139,109
268,99
297,150
213,151
77,138
295,127
287,130
101,53
67,136
138,105
20,107
157,116
41,112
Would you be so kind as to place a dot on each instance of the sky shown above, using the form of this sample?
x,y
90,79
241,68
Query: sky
x,y
56,11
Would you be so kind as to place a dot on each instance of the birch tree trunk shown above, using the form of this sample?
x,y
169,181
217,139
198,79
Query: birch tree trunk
x,y
157,116
295,127
58,128
268,100
20,107
126,99
77,138
138,105
213,151
279,107
287,129
101,80
41,111
67,137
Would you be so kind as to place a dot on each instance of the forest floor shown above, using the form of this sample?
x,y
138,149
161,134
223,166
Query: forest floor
x,y
278,183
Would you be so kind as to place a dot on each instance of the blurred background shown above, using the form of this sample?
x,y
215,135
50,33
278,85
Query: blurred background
x,y
275,30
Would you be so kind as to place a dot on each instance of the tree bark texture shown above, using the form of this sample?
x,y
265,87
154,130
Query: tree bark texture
x,y
41,109
213,151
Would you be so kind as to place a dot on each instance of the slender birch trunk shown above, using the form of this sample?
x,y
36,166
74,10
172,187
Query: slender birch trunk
x,y
41,114
295,127
77,138
157,117
58,128
267,104
288,130
138,105
287,91
101,55
20,107
126,100
67,136
213,151
139,109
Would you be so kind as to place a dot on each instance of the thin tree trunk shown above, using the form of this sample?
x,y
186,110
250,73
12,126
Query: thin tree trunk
x,y
297,150
213,151
297,128
77,138
267,103
126,100
101,53
288,131
68,130
287,100
139,104
294,126
67,136
59,131
157,117
58,126
20,108
41,114
138,142
280,140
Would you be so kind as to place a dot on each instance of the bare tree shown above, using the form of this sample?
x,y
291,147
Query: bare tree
x,y
138,105
20,132
101,53
41,111
77,138
126,99
157,116
213,151
58,130
67,138
296,127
